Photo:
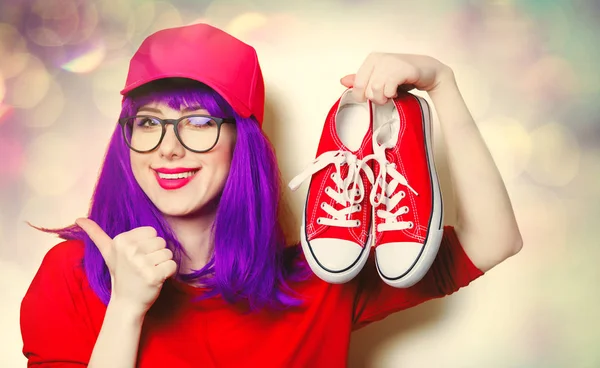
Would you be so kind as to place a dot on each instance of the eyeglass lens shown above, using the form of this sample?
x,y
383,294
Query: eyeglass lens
x,y
196,132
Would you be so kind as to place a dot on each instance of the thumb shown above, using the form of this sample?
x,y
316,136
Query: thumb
x,y
348,81
98,236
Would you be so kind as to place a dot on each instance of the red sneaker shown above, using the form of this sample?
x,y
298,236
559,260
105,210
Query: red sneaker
x,y
406,198
336,222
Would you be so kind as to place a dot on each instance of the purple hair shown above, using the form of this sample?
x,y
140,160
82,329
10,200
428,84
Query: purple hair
x,y
250,264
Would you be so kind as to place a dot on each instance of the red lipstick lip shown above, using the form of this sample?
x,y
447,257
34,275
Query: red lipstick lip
x,y
175,170
172,184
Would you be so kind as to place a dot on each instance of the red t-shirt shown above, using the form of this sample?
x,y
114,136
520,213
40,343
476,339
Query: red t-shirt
x,y
61,317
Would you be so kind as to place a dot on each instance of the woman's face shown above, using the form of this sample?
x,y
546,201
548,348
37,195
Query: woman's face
x,y
180,182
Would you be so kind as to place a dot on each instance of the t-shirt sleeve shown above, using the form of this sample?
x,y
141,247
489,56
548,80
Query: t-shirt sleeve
x,y
56,327
451,270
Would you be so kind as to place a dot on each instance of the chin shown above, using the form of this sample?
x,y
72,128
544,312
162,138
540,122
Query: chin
x,y
196,206
177,212
185,210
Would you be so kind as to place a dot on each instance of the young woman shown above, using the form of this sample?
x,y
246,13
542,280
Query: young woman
x,y
182,261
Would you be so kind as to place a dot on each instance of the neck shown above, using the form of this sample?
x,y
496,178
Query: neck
x,y
194,232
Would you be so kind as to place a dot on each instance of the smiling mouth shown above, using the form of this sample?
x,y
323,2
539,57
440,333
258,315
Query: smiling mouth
x,y
182,175
174,181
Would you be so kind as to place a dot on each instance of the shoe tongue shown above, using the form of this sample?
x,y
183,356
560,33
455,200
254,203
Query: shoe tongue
x,y
386,136
348,98
352,121
387,125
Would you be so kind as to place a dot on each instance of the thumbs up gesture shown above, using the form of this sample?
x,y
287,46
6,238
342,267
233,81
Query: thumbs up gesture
x,y
138,260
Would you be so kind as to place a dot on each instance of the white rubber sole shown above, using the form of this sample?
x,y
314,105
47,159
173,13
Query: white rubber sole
x,y
324,274
435,230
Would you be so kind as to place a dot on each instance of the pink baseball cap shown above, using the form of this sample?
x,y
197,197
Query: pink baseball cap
x,y
206,54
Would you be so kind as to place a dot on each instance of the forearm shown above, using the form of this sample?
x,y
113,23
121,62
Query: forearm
x,y
486,224
118,341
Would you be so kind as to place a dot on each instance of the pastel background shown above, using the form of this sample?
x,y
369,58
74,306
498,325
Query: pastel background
x,y
527,69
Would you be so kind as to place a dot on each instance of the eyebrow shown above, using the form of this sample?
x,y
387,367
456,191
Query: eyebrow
x,y
150,109
193,108
158,111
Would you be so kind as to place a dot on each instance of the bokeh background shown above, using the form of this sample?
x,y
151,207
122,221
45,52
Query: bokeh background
x,y
527,69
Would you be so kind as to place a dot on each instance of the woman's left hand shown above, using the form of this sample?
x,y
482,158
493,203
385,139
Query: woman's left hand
x,y
381,74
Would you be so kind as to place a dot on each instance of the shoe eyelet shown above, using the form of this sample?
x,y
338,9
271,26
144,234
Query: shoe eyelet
x,y
332,176
357,222
402,194
319,221
323,205
358,207
410,225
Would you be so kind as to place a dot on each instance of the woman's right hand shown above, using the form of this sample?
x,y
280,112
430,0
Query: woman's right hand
x,y
139,263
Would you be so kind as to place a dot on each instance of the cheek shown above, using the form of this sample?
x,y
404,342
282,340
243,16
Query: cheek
x,y
227,156
220,161
138,164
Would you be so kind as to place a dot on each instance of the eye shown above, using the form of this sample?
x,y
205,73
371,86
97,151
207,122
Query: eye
x,y
143,121
198,122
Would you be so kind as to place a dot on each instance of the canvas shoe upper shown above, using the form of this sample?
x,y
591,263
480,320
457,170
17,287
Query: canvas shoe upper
x,y
336,222
406,198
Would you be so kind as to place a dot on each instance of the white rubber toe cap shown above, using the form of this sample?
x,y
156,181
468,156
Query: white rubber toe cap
x,y
396,259
335,255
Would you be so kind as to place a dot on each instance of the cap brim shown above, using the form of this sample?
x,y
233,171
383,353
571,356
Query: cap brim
x,y
238,106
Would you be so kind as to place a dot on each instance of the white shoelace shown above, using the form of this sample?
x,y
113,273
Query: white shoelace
x,y
349,192
383,192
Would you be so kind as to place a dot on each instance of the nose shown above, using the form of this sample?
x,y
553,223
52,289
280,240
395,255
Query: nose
x,y
170,146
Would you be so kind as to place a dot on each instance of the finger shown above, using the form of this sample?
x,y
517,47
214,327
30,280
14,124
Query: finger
x,y
166,269
375,94
362,78
375,89
390,90
97,235
148,246
158,257
348,81
139,234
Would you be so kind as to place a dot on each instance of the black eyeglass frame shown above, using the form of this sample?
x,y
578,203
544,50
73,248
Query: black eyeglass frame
x,y
175,123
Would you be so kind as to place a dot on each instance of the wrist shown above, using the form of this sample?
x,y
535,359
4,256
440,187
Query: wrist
x,y
126,310
444,79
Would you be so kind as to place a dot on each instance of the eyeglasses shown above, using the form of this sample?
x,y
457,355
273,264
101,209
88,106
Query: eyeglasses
x,y
197,133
